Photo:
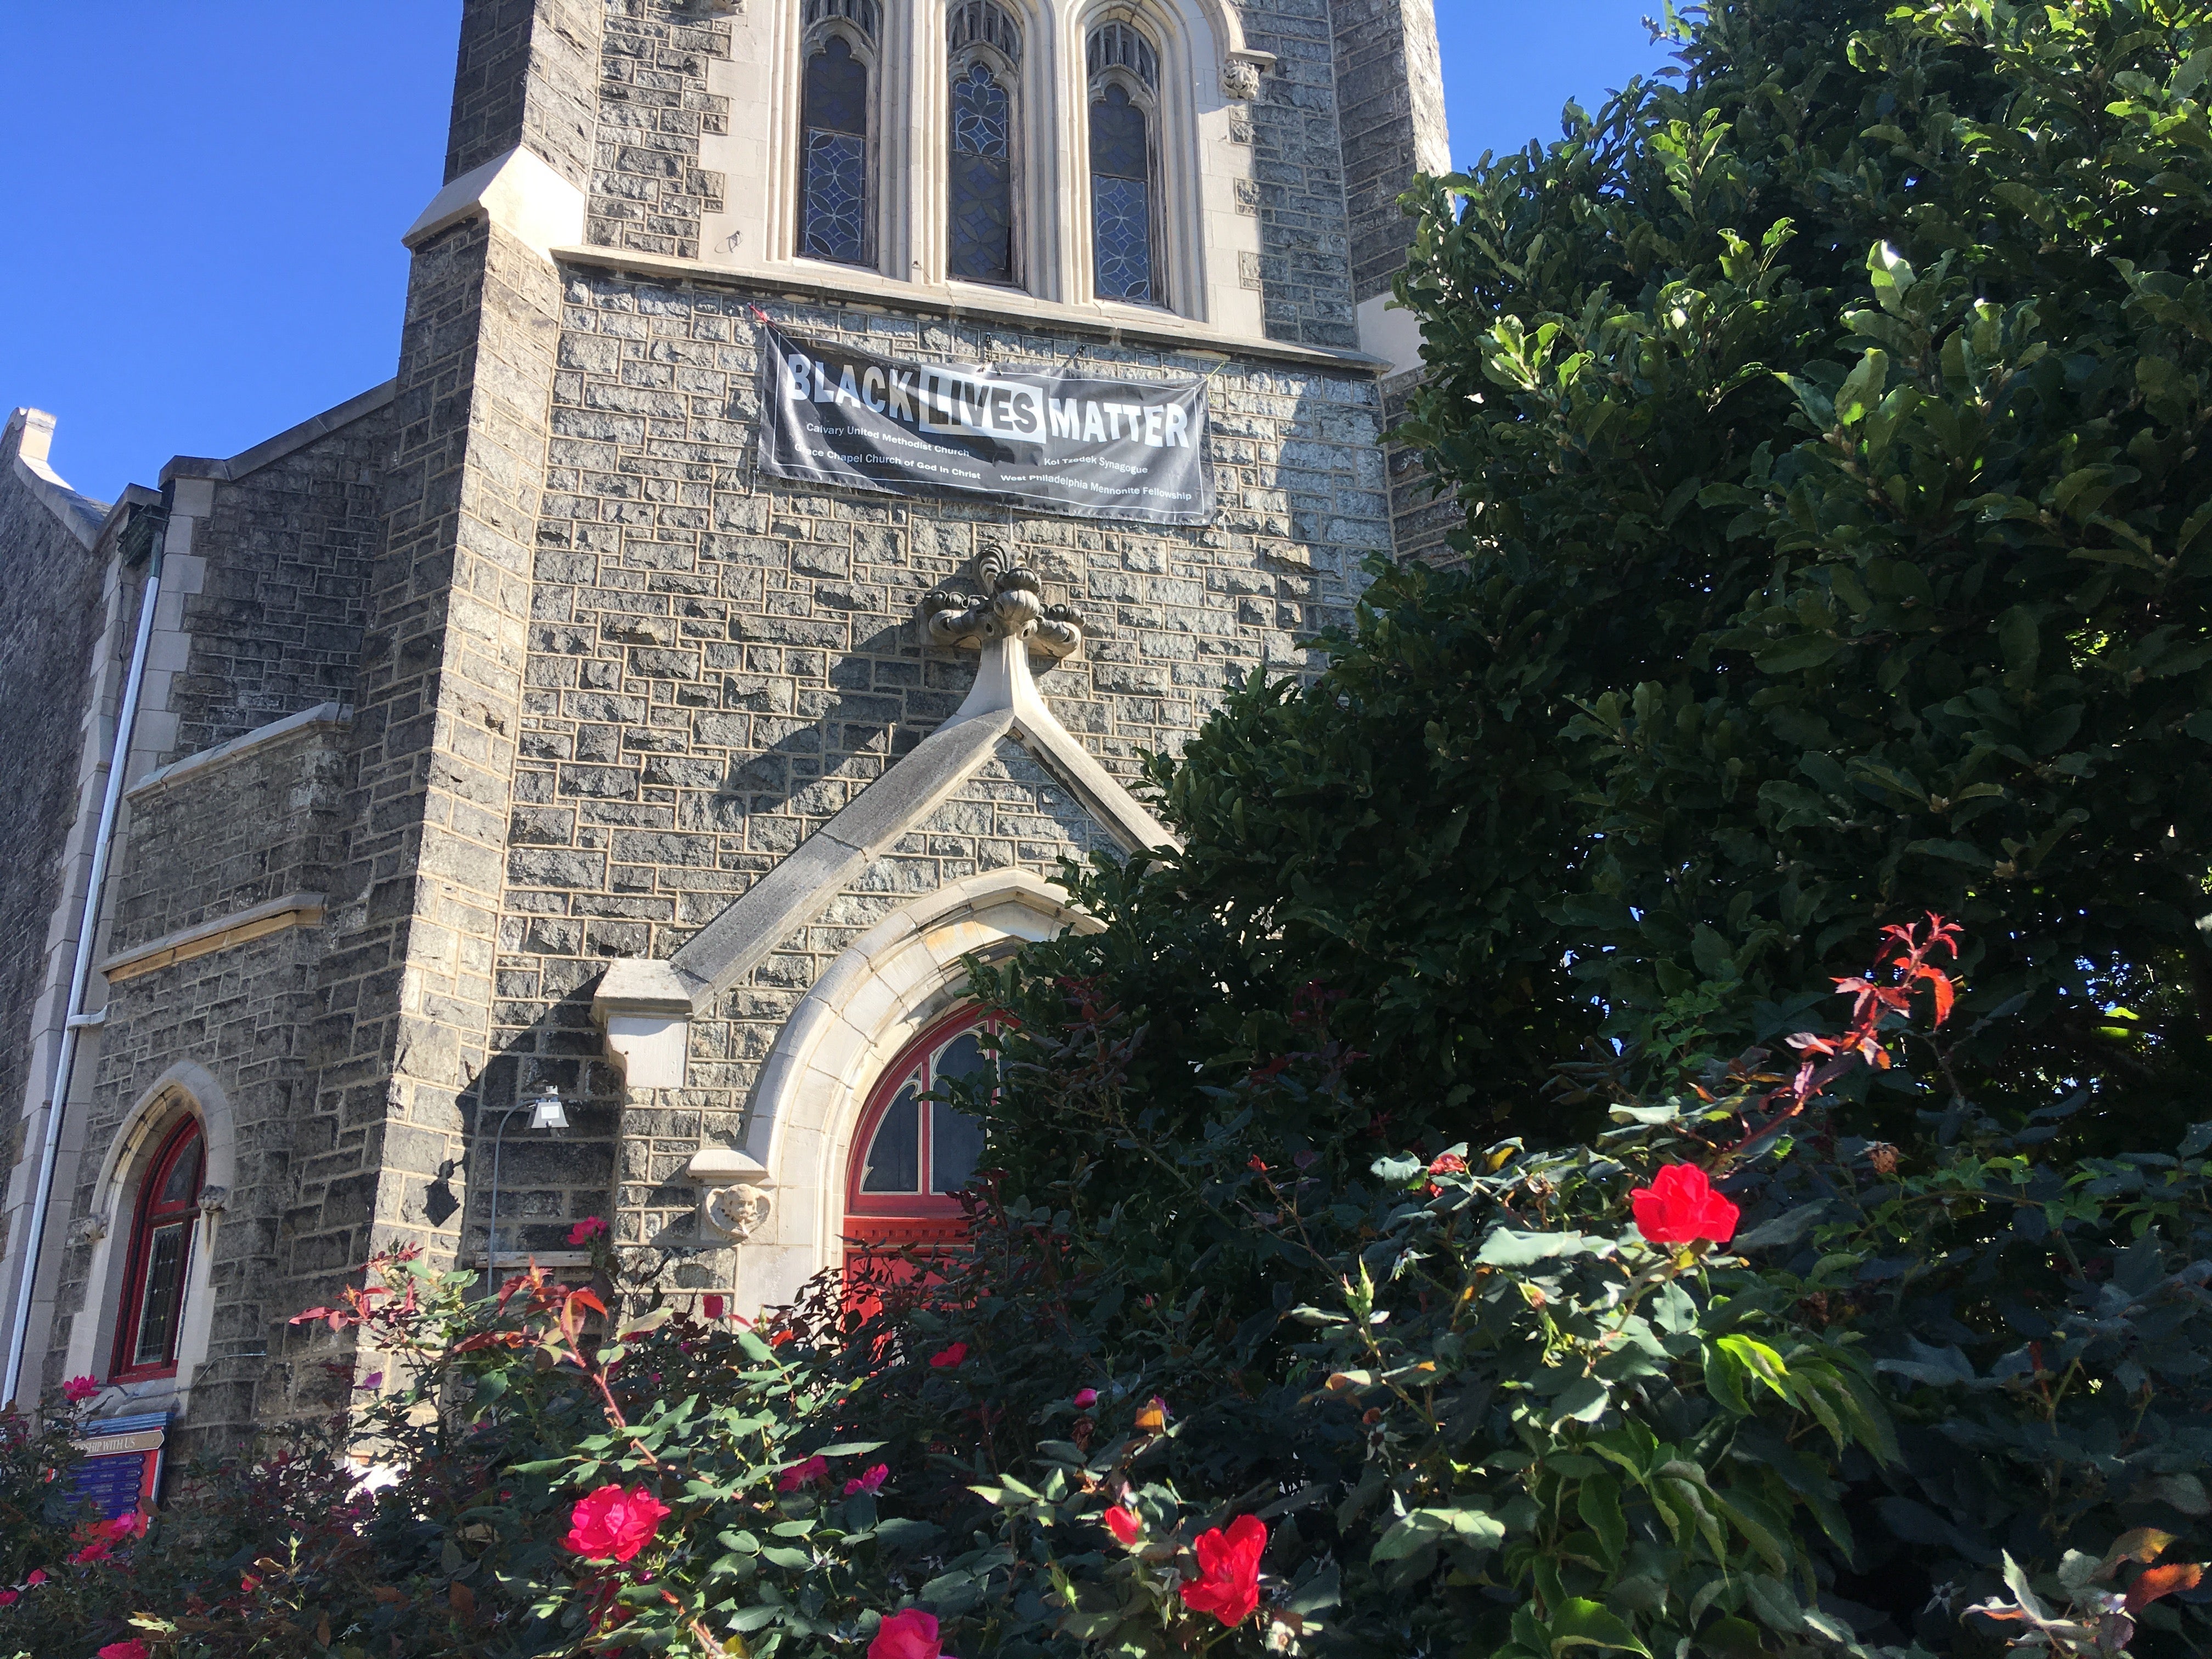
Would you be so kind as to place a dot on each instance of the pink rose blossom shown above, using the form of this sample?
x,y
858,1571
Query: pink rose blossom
x,y
950,1359
814,1469
587,1229
1086,1398
870,1482
908,1635
614,1525
78,1389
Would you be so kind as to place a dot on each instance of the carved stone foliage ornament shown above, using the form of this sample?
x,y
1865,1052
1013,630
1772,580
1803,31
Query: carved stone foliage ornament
x,y
737,1212
1240,80
1014,609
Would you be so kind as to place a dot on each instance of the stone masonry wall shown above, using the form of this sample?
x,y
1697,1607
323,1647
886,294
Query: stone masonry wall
x,y
406,985
208,845
718,660
276,626
1390,118
648,190
225,837
524,74
1298,170
48,632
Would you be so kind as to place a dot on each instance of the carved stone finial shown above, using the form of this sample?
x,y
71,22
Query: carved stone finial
x,y
1013,609
1240,80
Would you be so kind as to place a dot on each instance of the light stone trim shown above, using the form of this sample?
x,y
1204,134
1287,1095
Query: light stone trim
x,y
324,716
1131,325
275,916
1003,701
887,988
800,888
517,191
645,1008
288,441
184,1088
28,440
1389,331
1211,234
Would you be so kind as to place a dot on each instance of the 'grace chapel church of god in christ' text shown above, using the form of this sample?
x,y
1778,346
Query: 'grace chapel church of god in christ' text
x,y
831,440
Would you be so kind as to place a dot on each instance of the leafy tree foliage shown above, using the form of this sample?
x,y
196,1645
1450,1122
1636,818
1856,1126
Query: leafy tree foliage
x,y
1839,547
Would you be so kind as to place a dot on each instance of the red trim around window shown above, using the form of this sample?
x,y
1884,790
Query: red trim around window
x,y
168,1223
891,1219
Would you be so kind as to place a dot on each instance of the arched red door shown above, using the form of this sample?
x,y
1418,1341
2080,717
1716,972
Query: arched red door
x,y
911,1155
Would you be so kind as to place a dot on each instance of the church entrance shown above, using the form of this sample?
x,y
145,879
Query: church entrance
x,y
910,1156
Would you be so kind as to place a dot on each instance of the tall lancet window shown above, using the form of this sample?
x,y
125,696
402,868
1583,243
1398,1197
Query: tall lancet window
x,y
1125,73
834,186
985,46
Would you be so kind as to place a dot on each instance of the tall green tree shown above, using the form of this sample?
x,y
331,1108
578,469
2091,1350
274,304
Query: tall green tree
x,y
1838,547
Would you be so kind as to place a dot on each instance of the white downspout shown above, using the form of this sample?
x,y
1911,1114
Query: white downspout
x,y
118,760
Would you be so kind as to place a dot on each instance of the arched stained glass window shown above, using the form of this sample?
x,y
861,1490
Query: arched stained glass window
x,y
833,165
161,1230
1122,208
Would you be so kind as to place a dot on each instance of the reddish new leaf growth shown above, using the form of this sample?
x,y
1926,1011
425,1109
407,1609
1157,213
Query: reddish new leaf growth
x,y
2154,1582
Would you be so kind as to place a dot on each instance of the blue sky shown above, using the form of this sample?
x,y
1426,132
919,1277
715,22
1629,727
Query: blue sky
x,y
208,196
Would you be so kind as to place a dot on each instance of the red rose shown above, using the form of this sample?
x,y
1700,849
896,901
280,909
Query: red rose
x,y
1228,1585
711,1305
908,1635
133,1649
9,1598
1123,1523
815,1469
870,1480
587,1229
98,1550
950,1359
1681,1205
38,1577
614,1525
1448,1164
1086,1398
78,1389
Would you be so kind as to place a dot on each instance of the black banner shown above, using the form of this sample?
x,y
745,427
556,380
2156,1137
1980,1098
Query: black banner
x,y
1065,443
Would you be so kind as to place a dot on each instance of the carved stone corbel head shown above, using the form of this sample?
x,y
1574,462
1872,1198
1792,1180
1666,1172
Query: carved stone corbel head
x,y
737,1212
1240,80
735,1195
87,1229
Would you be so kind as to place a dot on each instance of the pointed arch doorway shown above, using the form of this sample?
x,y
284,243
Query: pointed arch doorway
x,y
912,1155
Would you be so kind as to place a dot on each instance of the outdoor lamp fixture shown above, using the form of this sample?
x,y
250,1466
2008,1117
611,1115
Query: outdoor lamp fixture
x,y
546,1112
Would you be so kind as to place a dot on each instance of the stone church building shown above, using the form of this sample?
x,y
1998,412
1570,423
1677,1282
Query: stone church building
x,y
507,746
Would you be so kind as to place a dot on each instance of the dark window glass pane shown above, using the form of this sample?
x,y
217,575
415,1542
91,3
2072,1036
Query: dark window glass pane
x,y
836,89
894,1155
955,1145
1124,234
165,1280
837,194
1117,137
183,1185
983,211
963,1057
